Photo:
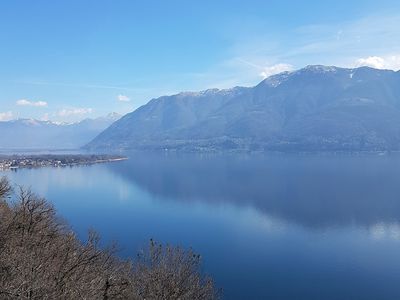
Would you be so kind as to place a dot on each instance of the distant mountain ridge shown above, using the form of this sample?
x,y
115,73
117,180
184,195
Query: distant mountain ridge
x,y
38,134
316,108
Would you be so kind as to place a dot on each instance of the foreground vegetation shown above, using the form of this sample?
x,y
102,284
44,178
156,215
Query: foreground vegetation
x,y
41,258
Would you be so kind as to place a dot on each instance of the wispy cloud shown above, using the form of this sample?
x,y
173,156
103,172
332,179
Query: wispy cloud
x,y
6,116
343,43
123,98
78,111
268,70
370,40
25,102
87,86
260,51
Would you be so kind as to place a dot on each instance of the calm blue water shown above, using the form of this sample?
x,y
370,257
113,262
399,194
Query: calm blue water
x,y
268,227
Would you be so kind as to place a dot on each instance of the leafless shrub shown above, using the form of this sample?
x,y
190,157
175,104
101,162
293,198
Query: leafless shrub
x,y
41,258
5,188
166,272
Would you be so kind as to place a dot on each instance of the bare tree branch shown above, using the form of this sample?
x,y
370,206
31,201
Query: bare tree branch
x,y
41,258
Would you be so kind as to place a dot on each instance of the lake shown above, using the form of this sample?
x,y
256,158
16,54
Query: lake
x,y
267,226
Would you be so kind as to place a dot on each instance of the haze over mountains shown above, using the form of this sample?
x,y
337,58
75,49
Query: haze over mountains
x,y
36,134
316,108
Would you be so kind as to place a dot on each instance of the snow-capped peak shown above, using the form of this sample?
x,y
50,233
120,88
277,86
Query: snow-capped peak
x,y
320,68
35,122
114,115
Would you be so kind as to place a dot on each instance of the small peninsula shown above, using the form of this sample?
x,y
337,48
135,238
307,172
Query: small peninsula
x,y
9,162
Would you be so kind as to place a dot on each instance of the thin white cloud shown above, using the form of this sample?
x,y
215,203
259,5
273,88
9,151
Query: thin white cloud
x,y
74,112
267,71
25,102
240,70
334,41
261,52
391,62
265,52
275,69
45,117
123,98
6,116
86,86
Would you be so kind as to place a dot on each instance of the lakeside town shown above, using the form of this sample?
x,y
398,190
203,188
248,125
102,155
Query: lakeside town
x,y
51,160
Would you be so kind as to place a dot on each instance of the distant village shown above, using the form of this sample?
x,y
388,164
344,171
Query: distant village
x,y
39,161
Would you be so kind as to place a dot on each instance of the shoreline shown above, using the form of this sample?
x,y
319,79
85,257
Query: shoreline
x,y
14,162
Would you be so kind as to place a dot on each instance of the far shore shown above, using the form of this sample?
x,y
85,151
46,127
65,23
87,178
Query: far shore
x,y
12,162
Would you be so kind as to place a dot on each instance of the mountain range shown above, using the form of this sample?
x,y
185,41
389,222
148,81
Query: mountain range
x,y
36,134
316,108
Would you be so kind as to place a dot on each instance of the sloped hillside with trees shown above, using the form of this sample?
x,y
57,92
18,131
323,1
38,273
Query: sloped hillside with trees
x,y
41,258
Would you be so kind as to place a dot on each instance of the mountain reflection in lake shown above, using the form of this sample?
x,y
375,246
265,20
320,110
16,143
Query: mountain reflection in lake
x,y
326,226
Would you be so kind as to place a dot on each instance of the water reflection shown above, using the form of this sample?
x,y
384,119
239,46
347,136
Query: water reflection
x,y
268,227
314,191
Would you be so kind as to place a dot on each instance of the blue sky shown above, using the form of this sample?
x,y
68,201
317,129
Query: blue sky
x,y
68,60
